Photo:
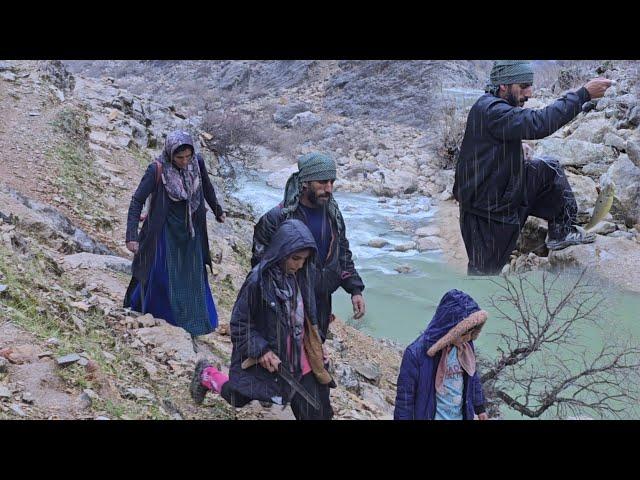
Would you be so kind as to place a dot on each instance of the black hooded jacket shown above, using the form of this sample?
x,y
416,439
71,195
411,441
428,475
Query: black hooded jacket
x,y
259,322
489,179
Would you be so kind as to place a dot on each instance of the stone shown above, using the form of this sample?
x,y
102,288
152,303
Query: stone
x,y
346,376
4,365
68,359
173,341
305,120
428,243
102,262
369,371
377,242
8,76
428,231
80,306
608,257
284,113
20,354
4,392
27,397
584,189
622,234
604,228
17,410
101,417
374,397
634,116
139,394
403,269
626,177
236,75
613,140
574,152
633,149
405,247
83,401
3,288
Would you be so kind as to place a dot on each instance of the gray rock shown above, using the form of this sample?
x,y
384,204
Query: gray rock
x,y
17,410
4,66
613,140
4,392
100,262
284,113
428,243
4,365
621,234
608,256
574,152
171,341
139,394
235,76
403,269
305,120
369,371
68,359
604,228
101,417
584,190
626,177
405,247
83,401
8,76
377,242
375,398
27,397
633,149
428,231
3,288
346,376
333,130
634,116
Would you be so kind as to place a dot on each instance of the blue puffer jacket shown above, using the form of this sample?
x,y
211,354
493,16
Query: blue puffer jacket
x,y
416,394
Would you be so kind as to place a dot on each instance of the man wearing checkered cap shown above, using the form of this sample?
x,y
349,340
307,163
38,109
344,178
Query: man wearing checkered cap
x,y
496,188
309,197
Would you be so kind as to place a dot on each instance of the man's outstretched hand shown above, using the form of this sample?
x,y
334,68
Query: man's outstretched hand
x,y
598,86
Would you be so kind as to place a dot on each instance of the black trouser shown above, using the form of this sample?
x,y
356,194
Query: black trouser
x,y
300,407
548,195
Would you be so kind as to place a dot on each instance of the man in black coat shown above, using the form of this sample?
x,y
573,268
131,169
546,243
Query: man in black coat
x,y
496,187
308,197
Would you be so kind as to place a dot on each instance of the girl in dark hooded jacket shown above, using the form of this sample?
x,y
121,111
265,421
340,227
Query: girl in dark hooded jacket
x,y
274,328
169,277
438,379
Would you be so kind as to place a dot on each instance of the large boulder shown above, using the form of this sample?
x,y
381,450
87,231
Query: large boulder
x,y
236,75
168,341
305,120
100,262
626,177
592,128
284,113
584,190
608,256
574,152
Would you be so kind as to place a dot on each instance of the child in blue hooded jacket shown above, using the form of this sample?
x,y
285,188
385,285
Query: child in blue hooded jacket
x,y
438,379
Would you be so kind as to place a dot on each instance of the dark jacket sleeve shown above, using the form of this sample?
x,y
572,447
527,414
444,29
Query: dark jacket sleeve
x,y
145,188
244,334
351,281
514,123
477,394
262,233
208,190
406,387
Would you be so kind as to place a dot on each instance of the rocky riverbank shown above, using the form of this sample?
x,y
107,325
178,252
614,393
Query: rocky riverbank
x,y
67,348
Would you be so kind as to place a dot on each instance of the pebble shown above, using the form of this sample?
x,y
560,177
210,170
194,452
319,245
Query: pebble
x,y
68,359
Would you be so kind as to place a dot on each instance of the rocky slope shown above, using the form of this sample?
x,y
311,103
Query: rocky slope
x,y
67,349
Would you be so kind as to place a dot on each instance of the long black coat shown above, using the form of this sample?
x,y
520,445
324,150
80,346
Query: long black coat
x,y
337,270
489,179
259,321
152,226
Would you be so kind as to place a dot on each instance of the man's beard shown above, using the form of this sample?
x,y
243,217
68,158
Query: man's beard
x,y
514,101
315,200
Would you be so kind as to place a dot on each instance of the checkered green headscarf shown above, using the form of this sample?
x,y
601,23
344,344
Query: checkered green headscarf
x,y
312,166
507,72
